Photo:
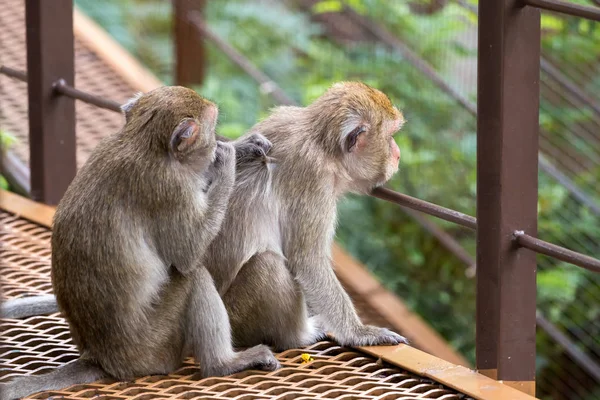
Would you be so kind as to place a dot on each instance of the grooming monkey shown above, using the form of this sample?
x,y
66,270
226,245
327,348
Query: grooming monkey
x,y
271,260
127,246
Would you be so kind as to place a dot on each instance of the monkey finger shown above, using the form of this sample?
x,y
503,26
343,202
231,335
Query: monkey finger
x,y
259,152
259,140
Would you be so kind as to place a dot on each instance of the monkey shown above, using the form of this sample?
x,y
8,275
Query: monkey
x,y
127,247
271,260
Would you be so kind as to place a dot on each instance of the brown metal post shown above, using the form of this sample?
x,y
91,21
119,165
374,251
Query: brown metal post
x,y
51,116
507,181
189,48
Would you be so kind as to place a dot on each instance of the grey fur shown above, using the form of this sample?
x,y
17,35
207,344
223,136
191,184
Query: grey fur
x,y
29,306
128,240
76,372
272,258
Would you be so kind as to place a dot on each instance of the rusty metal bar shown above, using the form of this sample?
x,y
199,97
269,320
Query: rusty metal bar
x,y
507,181
13,73
563,7
558,252
190,54
267,85
429,208
61,87
50,57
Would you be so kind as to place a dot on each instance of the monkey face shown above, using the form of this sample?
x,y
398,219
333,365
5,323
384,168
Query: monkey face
x,y
371,155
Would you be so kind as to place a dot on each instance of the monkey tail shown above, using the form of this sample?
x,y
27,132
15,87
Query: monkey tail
x,y
77,372
29,306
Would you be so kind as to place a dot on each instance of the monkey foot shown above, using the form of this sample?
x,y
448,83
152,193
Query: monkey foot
x,y
367,335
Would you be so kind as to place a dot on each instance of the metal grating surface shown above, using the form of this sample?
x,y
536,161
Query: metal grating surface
x,y
24,257
91,74
37,345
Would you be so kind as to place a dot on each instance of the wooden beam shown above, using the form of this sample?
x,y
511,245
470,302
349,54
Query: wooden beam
x,y
50,58
190,52
507,187
462,379
25,208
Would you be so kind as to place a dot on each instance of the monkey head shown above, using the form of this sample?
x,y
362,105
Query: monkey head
x,y
360,123
173,121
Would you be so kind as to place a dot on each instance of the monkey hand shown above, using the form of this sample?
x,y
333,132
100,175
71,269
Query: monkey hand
x,y
224,155
368,335
221,173
252,147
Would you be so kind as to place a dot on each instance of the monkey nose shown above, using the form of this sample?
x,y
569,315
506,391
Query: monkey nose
x,y
395,151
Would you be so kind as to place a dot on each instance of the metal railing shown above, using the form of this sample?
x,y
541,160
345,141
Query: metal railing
x,y
507,155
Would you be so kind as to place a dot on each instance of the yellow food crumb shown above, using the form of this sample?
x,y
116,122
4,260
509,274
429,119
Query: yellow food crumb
x,y
306,358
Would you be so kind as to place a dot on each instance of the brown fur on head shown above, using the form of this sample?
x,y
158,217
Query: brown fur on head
x,y
356,124
183,122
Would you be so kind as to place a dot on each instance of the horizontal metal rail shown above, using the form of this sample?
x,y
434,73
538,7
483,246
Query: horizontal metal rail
x,y
521,238
63,88
558,252
428,208
13,73
563,7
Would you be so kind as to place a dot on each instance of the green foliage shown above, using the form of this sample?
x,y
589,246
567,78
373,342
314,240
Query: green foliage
x,y
4,183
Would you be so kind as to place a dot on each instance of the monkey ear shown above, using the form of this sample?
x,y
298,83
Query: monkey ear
x,y
128,106
352,138
184,135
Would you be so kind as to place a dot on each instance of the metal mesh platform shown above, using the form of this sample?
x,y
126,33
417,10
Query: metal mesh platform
x,y
37,345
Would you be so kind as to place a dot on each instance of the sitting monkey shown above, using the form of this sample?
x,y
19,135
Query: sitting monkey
x,y
128,239
271,260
